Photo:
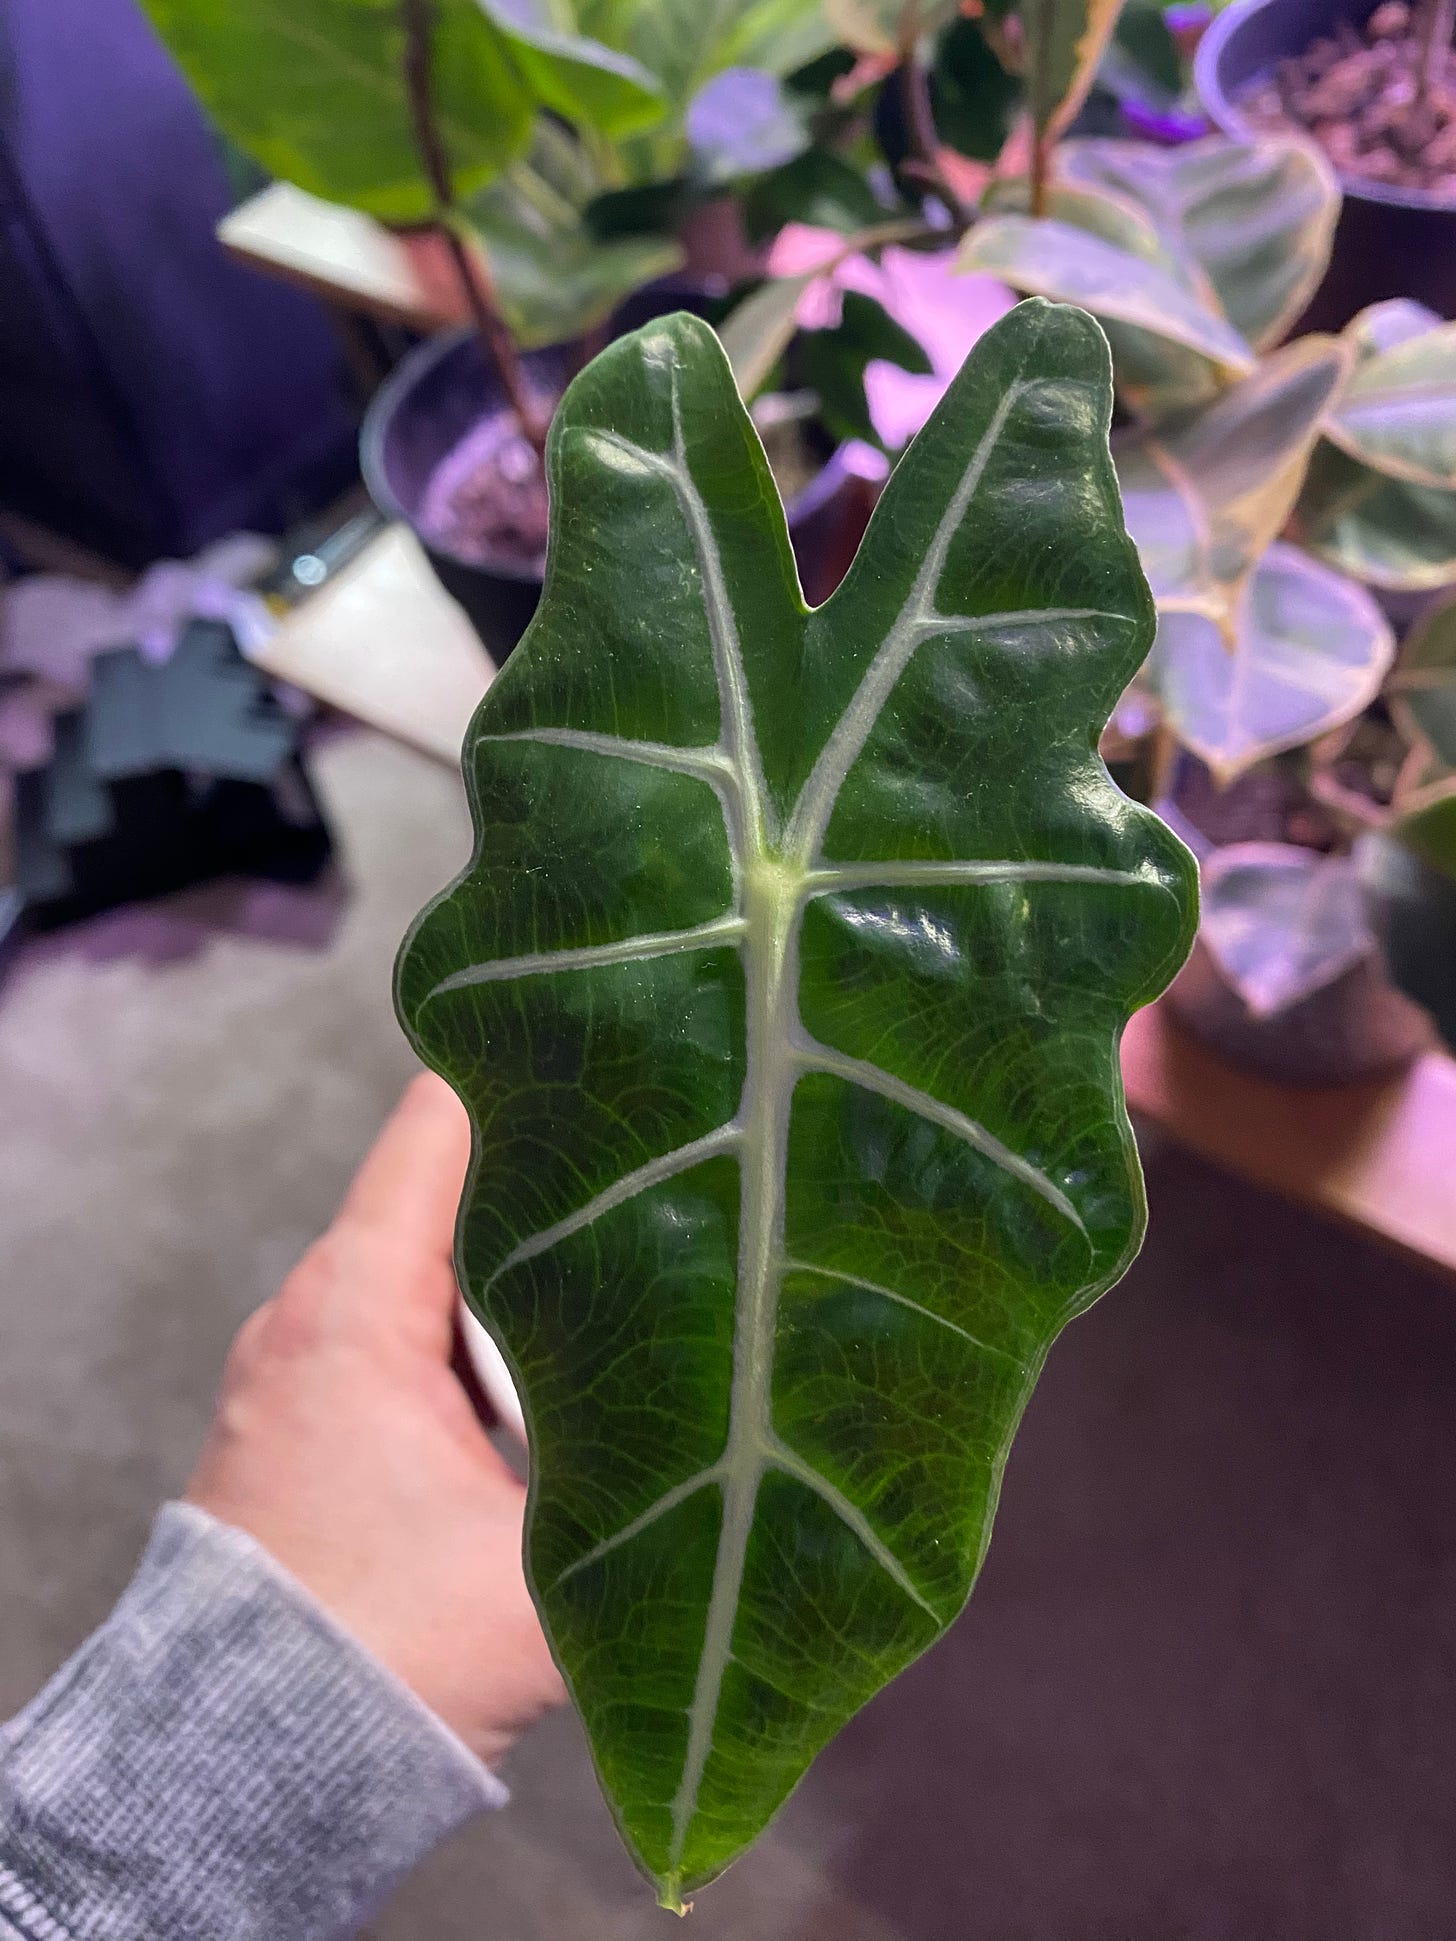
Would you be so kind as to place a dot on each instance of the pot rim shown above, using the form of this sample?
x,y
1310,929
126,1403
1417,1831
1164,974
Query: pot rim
x,y
1208,81
418,363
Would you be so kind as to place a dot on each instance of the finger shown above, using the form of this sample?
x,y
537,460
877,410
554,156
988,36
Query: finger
x,y
408,1189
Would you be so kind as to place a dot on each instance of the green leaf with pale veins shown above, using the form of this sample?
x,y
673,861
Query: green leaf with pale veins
x,y
784,989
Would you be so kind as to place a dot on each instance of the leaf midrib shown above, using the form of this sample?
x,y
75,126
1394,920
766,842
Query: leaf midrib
x,y
775,876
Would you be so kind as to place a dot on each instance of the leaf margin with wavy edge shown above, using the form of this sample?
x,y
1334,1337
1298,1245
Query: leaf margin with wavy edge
x,y
863,686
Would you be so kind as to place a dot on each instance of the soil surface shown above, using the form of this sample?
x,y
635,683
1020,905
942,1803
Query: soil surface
x,y
1358,93
486,499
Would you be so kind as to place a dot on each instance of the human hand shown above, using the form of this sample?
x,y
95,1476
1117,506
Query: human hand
x,y
346,1447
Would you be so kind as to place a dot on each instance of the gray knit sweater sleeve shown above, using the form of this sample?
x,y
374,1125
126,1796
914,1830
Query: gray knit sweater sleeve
x,y
220,1762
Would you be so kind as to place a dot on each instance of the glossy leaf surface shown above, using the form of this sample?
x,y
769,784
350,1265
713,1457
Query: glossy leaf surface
x,y
1208,491
784,990
1252,222
1282,922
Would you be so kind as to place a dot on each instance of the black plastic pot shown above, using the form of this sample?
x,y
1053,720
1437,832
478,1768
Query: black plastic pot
x,y
1389,242
416,417
443,387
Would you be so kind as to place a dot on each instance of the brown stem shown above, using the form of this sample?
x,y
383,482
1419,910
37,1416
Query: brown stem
x,y
1437,26
470,267
1041,171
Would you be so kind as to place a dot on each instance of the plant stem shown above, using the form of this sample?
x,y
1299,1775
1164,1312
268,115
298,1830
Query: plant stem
x,y
1041,171
470,267
1437,25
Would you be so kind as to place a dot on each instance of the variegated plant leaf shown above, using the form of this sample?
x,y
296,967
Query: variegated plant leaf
x,y
1206,493
1282,922
784,989
1385,531
1051,258
1422,688
1252,222
1063,42
1307,650
1155,376
1398,412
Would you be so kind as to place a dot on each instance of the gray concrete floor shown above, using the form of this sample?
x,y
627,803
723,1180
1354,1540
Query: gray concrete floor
x,y
1207,1688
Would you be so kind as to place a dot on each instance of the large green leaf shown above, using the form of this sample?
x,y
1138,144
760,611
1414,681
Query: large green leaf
x,y
1307,650
314,90
1250,222
1385,531
1051,258
1398,412
784,989
553,278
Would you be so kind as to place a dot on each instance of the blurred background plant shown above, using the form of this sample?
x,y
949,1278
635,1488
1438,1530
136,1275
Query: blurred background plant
x,y
852,190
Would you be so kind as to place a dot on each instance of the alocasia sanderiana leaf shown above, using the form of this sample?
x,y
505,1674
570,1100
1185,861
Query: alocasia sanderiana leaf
x,y
784,989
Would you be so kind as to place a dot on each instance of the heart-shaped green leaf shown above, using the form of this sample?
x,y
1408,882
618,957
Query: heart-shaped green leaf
x,y
1425,821
553,279
784,989
1052,259
1422,688
1385,531
1252,222
1398,412
1308,650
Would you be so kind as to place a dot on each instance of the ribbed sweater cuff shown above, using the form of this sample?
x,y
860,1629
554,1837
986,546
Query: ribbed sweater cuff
x,y
221,1760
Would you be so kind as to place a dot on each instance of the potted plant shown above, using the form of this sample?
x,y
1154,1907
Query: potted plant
x,y
501,134
1286,498
1374,81
786,1006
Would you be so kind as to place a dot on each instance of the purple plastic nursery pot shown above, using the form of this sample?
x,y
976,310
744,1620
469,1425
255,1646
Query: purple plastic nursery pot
x,y
1389,242
444,386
